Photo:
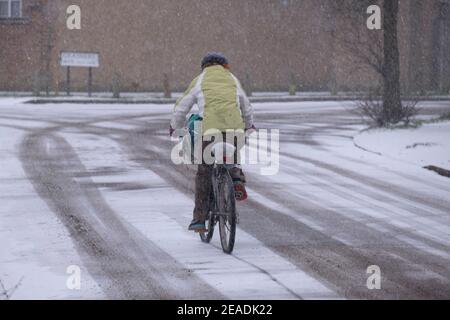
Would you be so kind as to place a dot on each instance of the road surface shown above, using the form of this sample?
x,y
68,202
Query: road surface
x,y
93,186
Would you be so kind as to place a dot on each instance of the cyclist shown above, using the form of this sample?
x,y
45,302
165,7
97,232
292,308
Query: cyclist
x,y
223,105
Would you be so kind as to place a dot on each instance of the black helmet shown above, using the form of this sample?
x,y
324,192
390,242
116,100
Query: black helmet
x,y
214,58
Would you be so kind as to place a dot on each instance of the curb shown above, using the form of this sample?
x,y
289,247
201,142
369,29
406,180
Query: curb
x,y
361,147
172,100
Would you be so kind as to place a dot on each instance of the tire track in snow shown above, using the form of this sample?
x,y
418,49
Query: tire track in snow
x,y
329,260
377,203
440,185
352,260
125,263
367,246
182,178
324,256
404,193
308,288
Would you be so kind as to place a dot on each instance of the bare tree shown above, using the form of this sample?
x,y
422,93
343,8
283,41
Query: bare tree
x,y
373,108
46,32
364,46
377,50
166,85
392,104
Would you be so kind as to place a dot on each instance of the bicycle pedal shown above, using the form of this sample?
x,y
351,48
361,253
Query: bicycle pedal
x,y
240,192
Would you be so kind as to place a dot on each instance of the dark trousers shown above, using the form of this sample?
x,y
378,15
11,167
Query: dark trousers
x,y
203,186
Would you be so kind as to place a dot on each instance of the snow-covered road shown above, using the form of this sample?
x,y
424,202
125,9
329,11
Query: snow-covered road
x,y
93,186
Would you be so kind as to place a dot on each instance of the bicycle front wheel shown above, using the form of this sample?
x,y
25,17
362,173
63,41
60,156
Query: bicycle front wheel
x,y
226,204
207,236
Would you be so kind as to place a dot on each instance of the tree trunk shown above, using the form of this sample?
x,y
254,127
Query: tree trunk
x,y
416,61
392,107
166,85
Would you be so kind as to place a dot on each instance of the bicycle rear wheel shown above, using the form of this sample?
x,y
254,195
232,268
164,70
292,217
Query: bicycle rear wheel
x,y
226,204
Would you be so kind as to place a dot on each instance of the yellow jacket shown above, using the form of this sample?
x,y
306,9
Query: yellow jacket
x,y
221,100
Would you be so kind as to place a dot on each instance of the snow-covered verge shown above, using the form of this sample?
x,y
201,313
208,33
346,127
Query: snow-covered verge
x,y
426,145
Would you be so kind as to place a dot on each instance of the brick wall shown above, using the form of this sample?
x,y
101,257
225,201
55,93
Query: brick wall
x,y
267,41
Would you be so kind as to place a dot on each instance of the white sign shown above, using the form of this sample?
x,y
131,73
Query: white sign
x,y
80,59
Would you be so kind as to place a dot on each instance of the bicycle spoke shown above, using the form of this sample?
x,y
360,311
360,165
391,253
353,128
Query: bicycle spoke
x,y
225,206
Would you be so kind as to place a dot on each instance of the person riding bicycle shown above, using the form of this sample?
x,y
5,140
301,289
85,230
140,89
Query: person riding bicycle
x,y
223,105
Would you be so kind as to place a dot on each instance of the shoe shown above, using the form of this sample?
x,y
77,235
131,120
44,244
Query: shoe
x,y
237,175
239,191
197,226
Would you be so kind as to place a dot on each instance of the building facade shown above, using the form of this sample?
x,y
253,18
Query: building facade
x,y
270,43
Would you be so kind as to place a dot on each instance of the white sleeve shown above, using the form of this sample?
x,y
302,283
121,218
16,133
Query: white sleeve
x,y
245,105
184,105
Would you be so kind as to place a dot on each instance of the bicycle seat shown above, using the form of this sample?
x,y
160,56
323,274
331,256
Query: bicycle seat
x,y
224,151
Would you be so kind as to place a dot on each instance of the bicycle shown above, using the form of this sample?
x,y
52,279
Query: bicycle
x,y
222,207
